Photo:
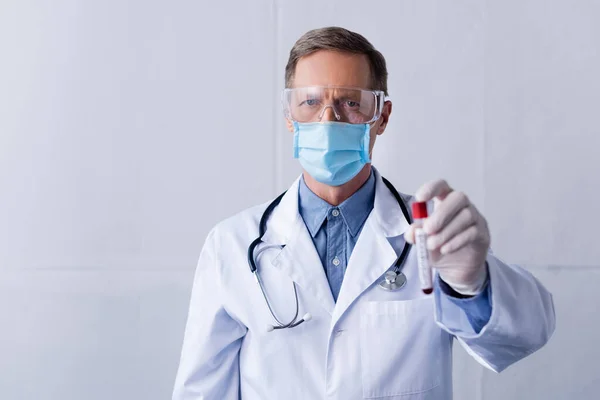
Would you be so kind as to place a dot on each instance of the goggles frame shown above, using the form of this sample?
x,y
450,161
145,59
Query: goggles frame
x,y
379,95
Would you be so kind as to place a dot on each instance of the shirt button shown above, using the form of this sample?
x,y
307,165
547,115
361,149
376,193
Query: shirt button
x,y
335,212
336,261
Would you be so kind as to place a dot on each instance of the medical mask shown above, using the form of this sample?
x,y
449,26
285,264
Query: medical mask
x,y
332,152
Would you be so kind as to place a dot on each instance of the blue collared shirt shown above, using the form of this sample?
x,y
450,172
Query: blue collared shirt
x,y
335,230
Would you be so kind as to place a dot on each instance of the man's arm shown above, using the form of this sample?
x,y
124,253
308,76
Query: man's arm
x,y
521,322
522,311
209,365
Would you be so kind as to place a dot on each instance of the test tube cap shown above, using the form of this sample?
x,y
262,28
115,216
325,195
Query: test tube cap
x,y
419,209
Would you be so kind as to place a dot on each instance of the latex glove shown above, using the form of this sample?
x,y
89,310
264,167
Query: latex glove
x,y
458,237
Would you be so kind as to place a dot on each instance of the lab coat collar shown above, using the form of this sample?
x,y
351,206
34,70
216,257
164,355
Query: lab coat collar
x,y
299,258
372,256
285,217
387,210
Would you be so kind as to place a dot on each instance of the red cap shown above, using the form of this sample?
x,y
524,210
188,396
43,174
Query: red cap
x,y
419,209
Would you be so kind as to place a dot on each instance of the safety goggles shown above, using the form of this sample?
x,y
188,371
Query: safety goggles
x,y
351,105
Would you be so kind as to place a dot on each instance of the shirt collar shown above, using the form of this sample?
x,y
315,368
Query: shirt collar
x,y
354,210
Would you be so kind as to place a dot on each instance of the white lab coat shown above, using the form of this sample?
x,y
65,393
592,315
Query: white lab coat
x,y
370,344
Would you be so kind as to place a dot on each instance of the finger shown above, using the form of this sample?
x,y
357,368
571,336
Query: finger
x,y
445,212
462,239
428,191
409,235
463,220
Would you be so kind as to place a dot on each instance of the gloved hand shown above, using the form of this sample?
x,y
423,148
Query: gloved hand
x,y
458,237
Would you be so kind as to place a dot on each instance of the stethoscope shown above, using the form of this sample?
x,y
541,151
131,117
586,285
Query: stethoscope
x,y
393,279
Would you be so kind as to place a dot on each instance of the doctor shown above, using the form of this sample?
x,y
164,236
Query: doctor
x,y
326,248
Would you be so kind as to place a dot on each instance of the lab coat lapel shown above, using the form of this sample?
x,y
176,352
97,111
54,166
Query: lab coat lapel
x,y
373,254
299,258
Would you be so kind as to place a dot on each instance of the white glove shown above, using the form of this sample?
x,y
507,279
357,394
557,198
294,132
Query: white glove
x,y
458,238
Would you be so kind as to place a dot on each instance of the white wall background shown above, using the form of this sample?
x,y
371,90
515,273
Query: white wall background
x,y
129,128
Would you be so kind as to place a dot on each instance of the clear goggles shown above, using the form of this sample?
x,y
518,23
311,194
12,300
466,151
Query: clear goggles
x,y
351,105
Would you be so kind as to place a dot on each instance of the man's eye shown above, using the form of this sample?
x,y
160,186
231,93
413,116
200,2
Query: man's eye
x,y
352,104
310,102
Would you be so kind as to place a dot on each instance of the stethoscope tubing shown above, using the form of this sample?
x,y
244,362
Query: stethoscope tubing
x,y
263,228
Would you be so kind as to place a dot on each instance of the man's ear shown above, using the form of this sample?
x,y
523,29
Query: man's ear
x,y
385,116
289,124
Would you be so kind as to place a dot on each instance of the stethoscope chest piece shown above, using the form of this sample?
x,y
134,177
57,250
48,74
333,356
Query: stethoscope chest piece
x,y
393,281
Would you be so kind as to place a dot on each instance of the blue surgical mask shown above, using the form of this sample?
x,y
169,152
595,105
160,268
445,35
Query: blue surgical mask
x,y
332,152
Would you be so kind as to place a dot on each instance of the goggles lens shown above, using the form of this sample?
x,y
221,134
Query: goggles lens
x,y
351,105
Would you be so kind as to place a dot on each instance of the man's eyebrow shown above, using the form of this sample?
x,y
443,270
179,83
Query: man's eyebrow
x,y
347,92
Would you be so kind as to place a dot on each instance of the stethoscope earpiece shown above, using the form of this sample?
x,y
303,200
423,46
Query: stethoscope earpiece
x,y
307,317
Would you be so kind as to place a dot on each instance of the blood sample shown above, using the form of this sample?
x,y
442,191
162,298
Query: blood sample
x,y
419,210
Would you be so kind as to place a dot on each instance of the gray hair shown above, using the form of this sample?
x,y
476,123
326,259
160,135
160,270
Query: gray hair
x,y
338,39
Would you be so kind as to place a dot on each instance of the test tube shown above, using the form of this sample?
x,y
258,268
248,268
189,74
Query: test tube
x,y
419,210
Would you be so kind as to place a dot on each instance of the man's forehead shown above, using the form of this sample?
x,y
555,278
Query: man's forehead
x,y
333,68
328,90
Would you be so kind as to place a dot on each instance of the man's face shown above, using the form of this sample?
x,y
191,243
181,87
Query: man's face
x,y
333,68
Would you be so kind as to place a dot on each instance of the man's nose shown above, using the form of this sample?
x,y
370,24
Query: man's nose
x,y
329,114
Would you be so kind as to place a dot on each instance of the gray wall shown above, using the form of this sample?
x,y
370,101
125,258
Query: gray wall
x,y
129,128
